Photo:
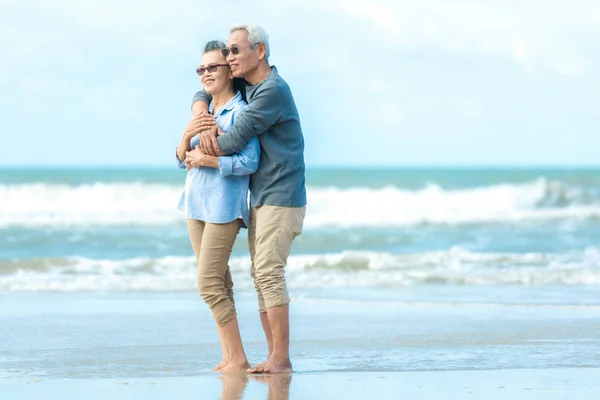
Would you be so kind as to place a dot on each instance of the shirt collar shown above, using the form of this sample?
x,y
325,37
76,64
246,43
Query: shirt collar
x,y
228,106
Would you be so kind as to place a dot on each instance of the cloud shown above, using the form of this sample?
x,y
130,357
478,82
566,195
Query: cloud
x,y
519,50
487,27
379,14
61,95
4,75
428,65
112,101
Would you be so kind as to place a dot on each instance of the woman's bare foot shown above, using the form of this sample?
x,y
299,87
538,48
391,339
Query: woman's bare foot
x,y
273,366
220,366
235,366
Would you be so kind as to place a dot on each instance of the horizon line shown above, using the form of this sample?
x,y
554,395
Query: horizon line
x,y
314,166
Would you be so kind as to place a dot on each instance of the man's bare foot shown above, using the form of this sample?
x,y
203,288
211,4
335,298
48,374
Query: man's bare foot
x,y
273,366
258,368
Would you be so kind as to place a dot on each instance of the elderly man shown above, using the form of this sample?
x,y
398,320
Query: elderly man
x,y
277,188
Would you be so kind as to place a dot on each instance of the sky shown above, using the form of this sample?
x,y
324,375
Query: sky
x,y
377,83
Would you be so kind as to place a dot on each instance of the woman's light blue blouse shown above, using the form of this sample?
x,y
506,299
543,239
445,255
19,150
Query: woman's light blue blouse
x,y
221,195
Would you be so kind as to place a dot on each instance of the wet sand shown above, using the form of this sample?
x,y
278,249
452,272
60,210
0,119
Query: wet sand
x,y
163,345
550,384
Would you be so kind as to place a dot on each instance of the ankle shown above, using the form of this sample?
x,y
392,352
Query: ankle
x,y
238,359
279,356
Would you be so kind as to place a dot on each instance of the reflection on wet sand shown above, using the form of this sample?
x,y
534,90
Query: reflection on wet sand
x,y
279,385
233,385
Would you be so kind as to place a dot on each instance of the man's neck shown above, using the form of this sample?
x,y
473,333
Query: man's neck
x,y
259,74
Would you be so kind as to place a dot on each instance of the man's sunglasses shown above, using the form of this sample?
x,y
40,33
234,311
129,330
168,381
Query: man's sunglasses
x,y
211,68
235,50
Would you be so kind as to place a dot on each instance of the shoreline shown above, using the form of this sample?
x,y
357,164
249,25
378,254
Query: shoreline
x,y
571,383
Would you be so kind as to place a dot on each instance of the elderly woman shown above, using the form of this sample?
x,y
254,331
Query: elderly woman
x,y
215,201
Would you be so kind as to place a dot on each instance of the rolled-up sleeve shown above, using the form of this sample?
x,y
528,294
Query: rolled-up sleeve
x,y
202,96
244,162
180,163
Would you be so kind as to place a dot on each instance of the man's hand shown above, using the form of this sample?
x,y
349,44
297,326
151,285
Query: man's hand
x,y
193,127
208,141
206,121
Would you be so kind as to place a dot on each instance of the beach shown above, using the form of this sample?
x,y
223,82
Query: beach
x,y
404,284
513,384
164,344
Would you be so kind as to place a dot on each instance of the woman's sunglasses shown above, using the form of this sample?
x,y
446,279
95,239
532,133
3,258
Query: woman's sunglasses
x,y
211,68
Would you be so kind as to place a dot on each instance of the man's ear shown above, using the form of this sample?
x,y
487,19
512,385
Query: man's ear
x,y
262,50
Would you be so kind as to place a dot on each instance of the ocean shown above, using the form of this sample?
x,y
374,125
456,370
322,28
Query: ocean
x,y
413,269
69,230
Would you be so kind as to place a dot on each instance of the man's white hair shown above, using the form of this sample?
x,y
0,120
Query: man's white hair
x,y
256,34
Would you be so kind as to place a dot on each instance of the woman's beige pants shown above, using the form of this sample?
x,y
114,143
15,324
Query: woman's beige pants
x,y
212,244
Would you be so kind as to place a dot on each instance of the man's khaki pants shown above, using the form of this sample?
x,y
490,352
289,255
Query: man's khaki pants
x,y
271,231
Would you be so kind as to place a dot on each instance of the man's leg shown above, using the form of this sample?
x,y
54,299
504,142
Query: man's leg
x,y
279,360
276,228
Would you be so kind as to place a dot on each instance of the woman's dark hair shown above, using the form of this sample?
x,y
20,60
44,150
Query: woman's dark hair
x,y
214,45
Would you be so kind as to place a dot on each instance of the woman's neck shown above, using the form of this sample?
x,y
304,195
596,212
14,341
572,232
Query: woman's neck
x,y
220,99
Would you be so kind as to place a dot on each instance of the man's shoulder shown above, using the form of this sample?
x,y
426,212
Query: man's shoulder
x,y
280,84
274,83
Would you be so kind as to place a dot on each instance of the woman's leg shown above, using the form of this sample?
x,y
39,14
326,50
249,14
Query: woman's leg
x,y
217,242
229,284
196,231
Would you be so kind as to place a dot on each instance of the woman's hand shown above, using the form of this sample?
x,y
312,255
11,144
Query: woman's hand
x,y
196,158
